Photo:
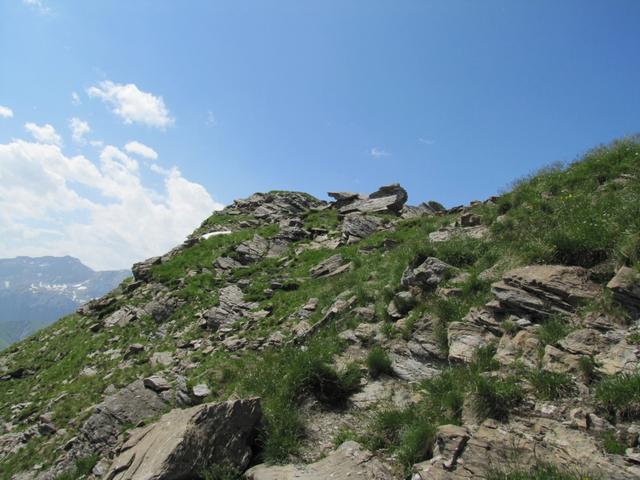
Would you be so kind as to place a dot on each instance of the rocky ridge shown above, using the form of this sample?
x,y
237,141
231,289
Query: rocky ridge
x,y
384,341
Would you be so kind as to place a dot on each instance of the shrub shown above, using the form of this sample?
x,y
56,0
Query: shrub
x,y
378,362
619,395
551,385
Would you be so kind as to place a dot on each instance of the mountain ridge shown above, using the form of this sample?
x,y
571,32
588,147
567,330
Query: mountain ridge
x,y
36,291
362,338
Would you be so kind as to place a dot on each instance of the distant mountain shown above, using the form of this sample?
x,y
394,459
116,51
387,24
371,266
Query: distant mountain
x,y
36,291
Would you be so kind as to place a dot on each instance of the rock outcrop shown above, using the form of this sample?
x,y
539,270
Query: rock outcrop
x,y
539,291
348,462
185,443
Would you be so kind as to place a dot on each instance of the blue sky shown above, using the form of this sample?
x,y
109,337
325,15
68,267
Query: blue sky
x,y
453,99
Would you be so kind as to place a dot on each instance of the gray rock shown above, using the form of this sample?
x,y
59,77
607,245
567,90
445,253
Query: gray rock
x,y
543,290
156,383
121,317
251,251
465,339
625,286
128,406
142,270
348,462
226,264
333,265
201,391
427,275
519,444
390,198
184,443
355,227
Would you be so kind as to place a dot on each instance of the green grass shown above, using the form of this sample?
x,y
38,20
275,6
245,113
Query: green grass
x,y
619,396
551,385
571,215
612,445
552,331
378,362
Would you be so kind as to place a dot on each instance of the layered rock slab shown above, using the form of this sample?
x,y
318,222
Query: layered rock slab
x,y
183,443
349,461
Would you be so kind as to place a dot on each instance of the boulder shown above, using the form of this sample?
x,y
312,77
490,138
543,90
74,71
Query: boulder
x,y
519,445
427,275
128,406
390,198
625,286
348,462
465,339
226,264
522,346
355,227
122,317
539,291
333,265
183,443
251,251
142,270
157,383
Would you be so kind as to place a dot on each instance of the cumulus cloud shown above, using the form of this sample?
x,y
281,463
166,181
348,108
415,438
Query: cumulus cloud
x,y
377,152
97,210
43,134
38,5
426,141
79,129
141,149
132,104
5,112
75,99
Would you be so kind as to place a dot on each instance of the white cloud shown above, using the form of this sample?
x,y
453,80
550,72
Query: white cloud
x,y
43,134
211,119
132,104
75,99
5,112
99,211
141,149
426,141
38,5
377,152
79,129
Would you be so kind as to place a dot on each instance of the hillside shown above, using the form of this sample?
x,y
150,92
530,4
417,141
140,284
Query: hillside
x,y
36,291
362,338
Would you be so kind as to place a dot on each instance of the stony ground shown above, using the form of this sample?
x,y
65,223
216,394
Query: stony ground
x,y
290,337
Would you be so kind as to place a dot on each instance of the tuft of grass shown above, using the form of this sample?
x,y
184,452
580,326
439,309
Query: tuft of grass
x,y
495,397
378,362
409,433
551,385
619,396
588,369
612,445
553,330
221,471
81,469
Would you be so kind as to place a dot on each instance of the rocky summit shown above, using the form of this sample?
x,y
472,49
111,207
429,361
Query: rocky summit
x,y
358,338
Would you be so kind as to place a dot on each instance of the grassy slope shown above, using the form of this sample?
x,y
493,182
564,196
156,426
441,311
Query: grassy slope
x,y
571,215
